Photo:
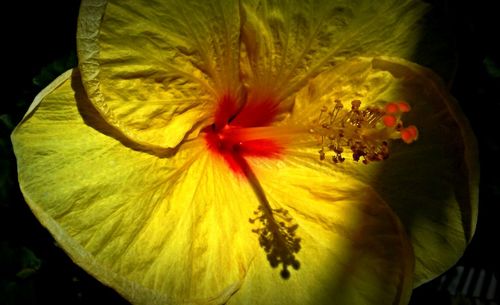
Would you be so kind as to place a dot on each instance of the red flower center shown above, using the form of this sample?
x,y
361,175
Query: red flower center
x,y
228,136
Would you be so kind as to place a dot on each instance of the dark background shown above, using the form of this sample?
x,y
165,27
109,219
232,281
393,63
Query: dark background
x,y
38,43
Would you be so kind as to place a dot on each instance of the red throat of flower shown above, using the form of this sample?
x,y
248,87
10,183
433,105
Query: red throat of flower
x,y
228,136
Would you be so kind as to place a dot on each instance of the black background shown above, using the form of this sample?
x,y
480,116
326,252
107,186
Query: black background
x,y
38,43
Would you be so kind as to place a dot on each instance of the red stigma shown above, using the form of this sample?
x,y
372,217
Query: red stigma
x,y
226,137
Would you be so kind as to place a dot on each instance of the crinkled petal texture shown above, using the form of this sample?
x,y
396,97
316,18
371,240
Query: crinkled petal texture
x,y
155,69
175,229
285,43
432,184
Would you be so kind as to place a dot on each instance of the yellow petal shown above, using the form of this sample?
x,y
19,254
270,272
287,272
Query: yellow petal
x,y
174,229
353,248
285,43
160,229
154,69
432,184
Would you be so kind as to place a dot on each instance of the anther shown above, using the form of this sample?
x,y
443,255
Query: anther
x,y
321,154
355,105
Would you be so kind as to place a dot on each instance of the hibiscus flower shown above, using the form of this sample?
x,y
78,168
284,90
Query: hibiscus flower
x,y
251,152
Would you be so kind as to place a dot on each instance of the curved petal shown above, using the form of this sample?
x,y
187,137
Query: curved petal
x,y
285,43
174,229
432,184
155,228
154,69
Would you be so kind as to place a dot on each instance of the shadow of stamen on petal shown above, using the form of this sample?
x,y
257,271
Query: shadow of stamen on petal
x,y
277,231
277,238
